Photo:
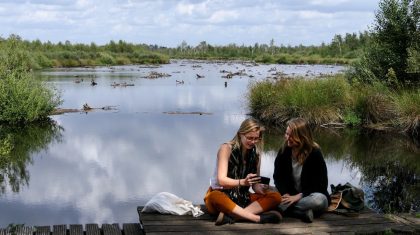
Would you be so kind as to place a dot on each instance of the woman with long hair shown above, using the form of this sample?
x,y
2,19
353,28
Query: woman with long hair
x,y
237,169
300,173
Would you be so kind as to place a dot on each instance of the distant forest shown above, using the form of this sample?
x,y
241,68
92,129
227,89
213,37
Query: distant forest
x,y
343,49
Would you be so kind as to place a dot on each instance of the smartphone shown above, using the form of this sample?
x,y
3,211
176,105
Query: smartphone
x,y
264,180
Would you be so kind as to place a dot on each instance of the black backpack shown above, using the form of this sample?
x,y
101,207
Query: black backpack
x,y
346,199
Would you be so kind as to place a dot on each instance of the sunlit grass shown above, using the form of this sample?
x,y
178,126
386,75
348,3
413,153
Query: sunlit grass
x,y
334,101
318,100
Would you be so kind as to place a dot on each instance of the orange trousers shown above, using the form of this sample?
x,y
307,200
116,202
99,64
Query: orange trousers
x,y
217,201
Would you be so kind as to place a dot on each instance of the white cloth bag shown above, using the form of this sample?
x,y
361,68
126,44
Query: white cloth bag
x,y
168,203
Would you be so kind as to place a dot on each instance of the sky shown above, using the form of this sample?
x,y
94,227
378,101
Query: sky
x,y
170,22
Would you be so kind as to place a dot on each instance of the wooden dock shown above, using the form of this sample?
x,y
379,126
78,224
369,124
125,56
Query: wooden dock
x,y
76,229
366,222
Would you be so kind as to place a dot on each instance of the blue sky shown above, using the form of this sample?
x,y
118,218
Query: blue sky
x,y
169,22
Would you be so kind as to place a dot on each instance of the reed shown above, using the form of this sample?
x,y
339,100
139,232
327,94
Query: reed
x,y
334,101
407,103
320,101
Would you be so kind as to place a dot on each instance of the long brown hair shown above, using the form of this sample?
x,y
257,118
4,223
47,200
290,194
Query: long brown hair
x,y
302,135
249,125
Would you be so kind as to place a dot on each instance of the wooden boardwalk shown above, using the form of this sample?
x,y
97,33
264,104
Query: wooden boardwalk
x,y
366,222
76,229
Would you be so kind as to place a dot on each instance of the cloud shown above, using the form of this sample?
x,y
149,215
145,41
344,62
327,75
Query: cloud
x,y
169,22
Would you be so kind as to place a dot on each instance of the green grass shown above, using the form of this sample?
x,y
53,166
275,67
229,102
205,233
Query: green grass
x,y
334,100
318,100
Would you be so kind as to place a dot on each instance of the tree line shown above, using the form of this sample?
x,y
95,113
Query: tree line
x,y
341,50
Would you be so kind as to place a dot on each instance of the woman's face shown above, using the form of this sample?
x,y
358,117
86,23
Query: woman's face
x,y
250,139
289,139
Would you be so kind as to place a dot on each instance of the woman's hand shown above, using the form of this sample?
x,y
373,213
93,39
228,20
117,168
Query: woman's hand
x,y
288,200
250,180
260,188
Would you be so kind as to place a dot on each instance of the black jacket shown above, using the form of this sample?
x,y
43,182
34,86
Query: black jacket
x,y
314,176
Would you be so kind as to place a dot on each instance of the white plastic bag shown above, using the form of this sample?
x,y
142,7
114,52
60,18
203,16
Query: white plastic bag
x,y
168,203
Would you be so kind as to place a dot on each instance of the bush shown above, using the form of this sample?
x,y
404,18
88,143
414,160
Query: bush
x,y
106,58
25,100
22,98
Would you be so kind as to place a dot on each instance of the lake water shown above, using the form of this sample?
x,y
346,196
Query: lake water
x,y
162,135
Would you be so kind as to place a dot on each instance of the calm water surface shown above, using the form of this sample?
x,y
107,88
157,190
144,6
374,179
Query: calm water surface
x,y
97,167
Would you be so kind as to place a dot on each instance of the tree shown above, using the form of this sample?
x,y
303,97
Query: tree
x,y
394,43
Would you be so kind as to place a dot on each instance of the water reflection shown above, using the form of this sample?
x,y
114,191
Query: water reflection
x,y
109,162
390,171
17,145
388,164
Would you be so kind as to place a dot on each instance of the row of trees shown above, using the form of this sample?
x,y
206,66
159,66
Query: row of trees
x,y
47,54
342,49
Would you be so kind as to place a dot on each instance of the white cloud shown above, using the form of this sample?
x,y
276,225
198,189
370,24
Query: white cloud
x,y
169,22
223,16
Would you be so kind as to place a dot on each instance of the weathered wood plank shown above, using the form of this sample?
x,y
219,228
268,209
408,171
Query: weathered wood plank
x,y
366,222
111,229
92,229
133,229
59,229
76,229
42,230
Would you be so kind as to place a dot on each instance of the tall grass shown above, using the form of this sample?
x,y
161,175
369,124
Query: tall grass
x,y
408,105
318,100
333,100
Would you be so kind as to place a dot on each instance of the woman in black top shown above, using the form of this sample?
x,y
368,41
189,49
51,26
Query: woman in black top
x,y
300,173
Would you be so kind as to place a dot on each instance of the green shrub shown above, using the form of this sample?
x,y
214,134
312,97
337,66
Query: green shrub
x,y
106,58
351,118
25,100
265,58
22,98
122,60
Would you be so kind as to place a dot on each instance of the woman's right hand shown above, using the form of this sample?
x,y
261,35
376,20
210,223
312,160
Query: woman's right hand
x,y
251,179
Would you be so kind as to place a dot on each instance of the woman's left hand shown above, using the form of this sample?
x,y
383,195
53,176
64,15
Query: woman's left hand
x,y
260,188
288,199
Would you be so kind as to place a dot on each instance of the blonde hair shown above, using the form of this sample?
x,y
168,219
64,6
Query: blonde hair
x,y
301,134
247,126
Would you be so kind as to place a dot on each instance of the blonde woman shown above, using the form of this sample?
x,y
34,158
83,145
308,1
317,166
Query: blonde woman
x,y
300,173
237,169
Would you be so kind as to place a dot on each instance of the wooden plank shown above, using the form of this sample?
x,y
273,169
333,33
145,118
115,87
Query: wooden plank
x,y
59,229
366,222
42,230
92,229
133,229
289,222
76,229
111,229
